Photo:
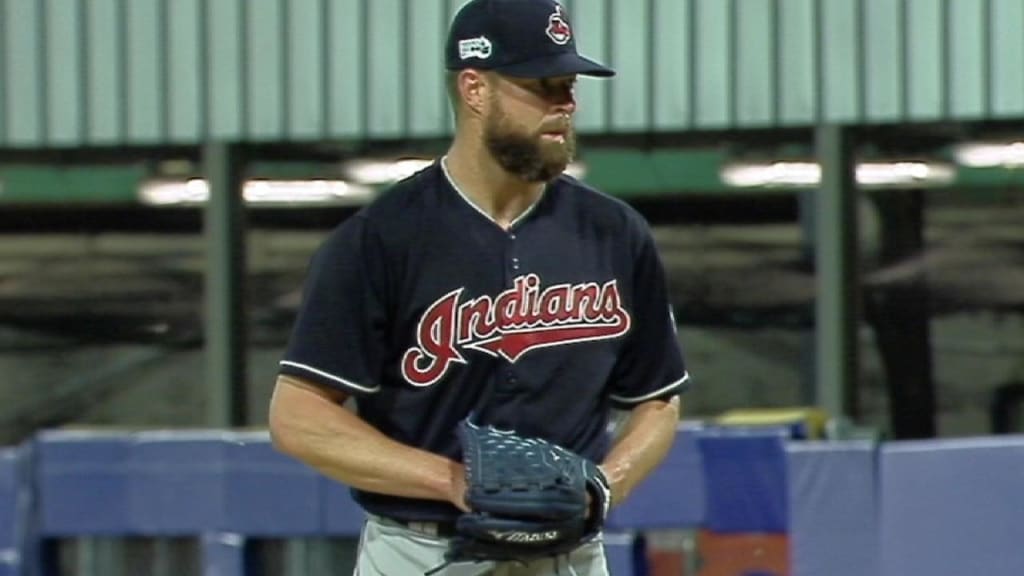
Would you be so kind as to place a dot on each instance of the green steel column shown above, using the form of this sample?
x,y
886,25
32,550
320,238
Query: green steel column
x,y
224,327
99,556
836,263
311,557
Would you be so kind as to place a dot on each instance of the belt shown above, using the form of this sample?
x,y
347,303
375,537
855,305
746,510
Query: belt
x,y
436,529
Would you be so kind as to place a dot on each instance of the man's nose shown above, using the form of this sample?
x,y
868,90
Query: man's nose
x,y
566,103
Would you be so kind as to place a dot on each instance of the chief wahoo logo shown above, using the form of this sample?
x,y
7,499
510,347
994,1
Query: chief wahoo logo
x,y
558,28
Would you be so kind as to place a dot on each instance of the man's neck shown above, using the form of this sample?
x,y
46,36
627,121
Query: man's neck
x,y
502,196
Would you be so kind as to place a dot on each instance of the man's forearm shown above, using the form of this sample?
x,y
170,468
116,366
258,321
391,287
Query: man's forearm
x,y
646,438
308,426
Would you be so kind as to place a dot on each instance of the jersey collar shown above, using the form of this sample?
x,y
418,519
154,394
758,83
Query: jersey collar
x,y
451,181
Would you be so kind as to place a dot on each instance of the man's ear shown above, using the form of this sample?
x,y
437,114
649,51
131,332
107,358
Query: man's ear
x,y
473,87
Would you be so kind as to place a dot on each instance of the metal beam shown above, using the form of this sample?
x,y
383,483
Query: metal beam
x,y
224,328
836,263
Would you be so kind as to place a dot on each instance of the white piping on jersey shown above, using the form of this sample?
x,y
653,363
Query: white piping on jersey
x,y
329,376
444,168
655,394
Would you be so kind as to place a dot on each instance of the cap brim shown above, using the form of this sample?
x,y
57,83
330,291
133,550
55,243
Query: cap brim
x,y
564,64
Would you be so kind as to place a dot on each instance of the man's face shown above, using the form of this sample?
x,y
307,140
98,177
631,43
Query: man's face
x,y
528,126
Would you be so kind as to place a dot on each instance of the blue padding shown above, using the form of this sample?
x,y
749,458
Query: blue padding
x,y
673,495
833,508
953,507
175,482
82,483
744,478
183,482
342,516
267,493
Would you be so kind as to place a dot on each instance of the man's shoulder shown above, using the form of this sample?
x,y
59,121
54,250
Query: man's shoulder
x,y
599,205
402,200
391,216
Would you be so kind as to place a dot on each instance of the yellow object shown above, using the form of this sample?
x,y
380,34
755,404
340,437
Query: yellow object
x,y
813,419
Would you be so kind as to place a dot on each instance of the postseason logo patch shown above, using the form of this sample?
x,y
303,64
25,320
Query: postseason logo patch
x,y
479,47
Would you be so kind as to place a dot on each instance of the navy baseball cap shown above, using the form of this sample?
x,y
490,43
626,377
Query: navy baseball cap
x,y
523,38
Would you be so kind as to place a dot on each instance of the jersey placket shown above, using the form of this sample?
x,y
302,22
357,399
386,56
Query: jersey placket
x,y
513,269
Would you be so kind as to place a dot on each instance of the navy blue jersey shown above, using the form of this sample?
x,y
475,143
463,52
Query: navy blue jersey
x,y
425,309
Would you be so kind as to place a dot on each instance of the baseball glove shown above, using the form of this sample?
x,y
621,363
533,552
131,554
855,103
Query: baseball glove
x,y
530,498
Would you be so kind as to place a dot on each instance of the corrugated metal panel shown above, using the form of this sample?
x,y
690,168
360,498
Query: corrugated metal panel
x,y
227,51
884,57
630,95
798,62
346,102
839,29
150,72
968,58
145,55
387,68
64,69
427,103
926,56
591,21
265,73
756,74
1006,50
25,65
305,63
671,69
713,63
186,104
105,93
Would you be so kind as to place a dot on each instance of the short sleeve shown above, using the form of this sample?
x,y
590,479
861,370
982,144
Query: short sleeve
x,y
339,334
651,364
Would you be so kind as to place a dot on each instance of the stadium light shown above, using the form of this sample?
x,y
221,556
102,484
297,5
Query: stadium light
x,y
376,172
802,174
258,191
990,154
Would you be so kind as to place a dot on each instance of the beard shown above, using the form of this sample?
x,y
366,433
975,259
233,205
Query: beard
x,y
525,154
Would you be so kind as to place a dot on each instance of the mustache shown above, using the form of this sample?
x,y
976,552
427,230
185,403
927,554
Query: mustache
x,y
563,126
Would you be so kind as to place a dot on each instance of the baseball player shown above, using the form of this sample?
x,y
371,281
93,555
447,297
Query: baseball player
x,y
489,283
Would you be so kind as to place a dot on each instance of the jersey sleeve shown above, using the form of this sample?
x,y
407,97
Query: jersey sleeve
x,y
339,334
651,364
